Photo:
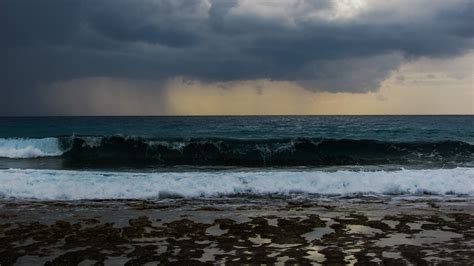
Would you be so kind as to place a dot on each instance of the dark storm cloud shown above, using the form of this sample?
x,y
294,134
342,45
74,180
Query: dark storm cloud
x,y
219,40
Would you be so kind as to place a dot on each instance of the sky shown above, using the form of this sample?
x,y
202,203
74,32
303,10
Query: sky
x,y
236,57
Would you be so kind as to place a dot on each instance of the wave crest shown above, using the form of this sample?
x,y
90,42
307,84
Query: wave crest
x,y
122,151
118,151
29,148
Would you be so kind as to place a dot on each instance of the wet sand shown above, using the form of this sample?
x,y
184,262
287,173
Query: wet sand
x,y
388,231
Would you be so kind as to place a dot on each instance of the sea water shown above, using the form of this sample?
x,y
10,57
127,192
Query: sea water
x,y
73,158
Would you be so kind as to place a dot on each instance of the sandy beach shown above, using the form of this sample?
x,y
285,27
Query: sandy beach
x,y
390,231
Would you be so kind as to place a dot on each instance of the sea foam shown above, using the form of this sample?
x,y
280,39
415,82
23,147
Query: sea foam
x,y
29,148
76,185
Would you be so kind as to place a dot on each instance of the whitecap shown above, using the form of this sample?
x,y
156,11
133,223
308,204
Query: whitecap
x,y
76,185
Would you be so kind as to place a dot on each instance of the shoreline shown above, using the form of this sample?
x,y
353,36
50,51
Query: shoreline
x,y
390,230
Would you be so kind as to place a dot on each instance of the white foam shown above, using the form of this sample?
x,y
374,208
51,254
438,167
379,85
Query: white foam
x,y
29,148
75,185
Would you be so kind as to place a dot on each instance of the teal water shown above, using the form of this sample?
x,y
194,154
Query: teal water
x,y
75,158
236,141
386,128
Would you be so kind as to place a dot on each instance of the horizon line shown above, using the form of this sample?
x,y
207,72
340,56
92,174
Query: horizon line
x,y
226,115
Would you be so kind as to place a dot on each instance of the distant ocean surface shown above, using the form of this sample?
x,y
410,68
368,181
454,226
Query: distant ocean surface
x,y
146,157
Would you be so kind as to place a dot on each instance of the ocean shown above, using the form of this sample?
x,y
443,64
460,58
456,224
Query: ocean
x,y
86,158
276,190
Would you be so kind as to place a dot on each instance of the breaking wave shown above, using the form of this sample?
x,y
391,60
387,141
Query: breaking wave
x,y
29,147
118,151
77,185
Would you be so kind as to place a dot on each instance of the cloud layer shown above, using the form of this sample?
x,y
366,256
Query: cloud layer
x,y
326,45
